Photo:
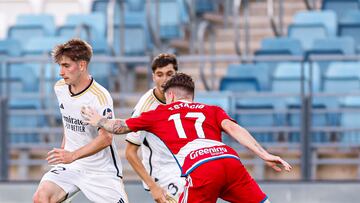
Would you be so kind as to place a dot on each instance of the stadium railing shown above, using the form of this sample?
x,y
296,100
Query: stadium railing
x,y
289,139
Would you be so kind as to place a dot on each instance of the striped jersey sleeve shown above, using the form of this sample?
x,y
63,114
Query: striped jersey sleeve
x,y
147,102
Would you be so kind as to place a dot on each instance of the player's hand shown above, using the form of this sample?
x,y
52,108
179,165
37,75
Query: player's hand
x,y
90,115
158,194
59,156
276,162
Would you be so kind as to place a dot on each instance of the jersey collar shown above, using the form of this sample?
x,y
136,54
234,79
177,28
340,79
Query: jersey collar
x,y
77,94
153,92
184,101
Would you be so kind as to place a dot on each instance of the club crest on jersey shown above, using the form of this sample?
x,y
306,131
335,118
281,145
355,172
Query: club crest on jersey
x,y
108,112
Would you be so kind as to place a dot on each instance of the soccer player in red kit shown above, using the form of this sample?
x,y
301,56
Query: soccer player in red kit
x,y
192,132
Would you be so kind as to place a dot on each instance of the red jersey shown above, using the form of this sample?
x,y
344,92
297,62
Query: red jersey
x,y
192,131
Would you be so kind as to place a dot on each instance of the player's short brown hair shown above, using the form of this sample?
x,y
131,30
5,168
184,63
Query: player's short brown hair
x,y
75,49
181,81
163,60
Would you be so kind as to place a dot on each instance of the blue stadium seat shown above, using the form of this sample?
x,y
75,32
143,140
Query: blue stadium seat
x,y
278,46
342,77
135,5
42,45
204,6
134,39
184,12
329,46
326,18
350,119
350,26
287,77
317,120
21,121
25,74
22,33
102,73
281,45
10,47
239,84
222,99
340,45
134,10
351,16
340,7
134,15
129,5
71,31
100,47
260,72
248,116
307,34
99,5
170,20
95,21
44,20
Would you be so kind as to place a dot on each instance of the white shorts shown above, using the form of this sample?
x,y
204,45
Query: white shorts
x,y
97,187
173,185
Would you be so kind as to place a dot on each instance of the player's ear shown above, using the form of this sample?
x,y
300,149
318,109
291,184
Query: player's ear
x,y
172,96
82,65
168,97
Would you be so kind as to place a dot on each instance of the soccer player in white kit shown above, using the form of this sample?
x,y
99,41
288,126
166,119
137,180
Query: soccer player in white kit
x,y
88,160
158,169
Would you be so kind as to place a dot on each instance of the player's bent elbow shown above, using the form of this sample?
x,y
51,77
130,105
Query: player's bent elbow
x,y
230,127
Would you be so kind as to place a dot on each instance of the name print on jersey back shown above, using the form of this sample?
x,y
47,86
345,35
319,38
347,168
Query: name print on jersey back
x,y
186,105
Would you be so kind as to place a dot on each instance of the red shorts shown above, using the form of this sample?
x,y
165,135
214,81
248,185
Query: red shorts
x,y
222,178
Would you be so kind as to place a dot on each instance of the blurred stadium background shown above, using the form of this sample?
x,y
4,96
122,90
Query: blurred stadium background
x,y
287,70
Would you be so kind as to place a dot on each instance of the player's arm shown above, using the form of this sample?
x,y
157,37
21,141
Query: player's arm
x,y
116,126
244,137
132,156
103,140
63,142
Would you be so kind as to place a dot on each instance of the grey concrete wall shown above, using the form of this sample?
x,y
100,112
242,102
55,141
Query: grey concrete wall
x,y
329,192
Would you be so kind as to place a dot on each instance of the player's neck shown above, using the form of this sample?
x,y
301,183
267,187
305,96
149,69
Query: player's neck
x,y
159,95
81,84
183,100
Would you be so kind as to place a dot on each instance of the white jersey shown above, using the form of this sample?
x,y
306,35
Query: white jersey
x,y
156,157
77,134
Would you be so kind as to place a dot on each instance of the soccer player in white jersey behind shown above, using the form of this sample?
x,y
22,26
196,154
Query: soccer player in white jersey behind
x,y
158,169
193,131
87,160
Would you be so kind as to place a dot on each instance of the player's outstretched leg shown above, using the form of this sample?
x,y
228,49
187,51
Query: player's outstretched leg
x,y
48,192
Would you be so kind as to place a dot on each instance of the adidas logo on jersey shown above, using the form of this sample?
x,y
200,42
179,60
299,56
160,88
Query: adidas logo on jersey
x,y
121,200
61,106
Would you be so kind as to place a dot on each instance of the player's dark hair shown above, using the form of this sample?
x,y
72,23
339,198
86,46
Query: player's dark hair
x,y
181,81
75,49
163,60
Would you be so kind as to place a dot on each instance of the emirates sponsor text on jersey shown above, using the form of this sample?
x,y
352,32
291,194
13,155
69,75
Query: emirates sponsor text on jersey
x,y
74,124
